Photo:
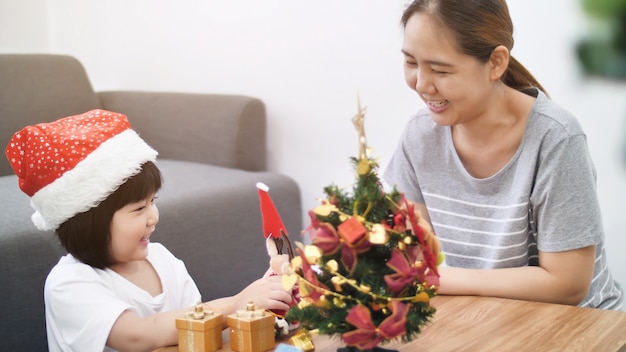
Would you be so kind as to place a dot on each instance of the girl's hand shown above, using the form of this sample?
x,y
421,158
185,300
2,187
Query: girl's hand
x,y
279,264
266,293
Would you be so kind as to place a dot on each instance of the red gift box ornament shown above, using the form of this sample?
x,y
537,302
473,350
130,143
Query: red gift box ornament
x,y
352,230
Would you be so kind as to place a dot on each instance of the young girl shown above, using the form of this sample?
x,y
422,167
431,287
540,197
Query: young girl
x,y
94,181
502,172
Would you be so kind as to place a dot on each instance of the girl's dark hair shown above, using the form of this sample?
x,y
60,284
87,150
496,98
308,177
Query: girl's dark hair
x,y
479,27
87,235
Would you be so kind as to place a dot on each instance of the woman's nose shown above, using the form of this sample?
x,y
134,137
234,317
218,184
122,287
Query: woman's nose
x,y
423,82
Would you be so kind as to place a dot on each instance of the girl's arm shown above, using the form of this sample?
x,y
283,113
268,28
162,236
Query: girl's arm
x,y
133,333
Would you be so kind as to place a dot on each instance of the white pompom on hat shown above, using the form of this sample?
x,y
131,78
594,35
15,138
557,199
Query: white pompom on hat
x,y
71,165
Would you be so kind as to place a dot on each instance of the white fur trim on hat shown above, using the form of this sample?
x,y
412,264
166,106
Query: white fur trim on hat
x,y
92,180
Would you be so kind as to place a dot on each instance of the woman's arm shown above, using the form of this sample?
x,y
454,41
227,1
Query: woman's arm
x,y
561,277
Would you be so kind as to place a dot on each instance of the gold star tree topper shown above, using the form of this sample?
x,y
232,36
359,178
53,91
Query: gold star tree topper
x,y
358,120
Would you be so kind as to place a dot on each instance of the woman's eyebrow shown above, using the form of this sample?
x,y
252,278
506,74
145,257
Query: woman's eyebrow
x,y
406,53
429,62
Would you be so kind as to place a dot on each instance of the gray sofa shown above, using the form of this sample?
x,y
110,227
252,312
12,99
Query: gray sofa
x,y
212,152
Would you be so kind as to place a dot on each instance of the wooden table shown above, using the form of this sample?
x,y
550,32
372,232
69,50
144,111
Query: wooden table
x,y
466,323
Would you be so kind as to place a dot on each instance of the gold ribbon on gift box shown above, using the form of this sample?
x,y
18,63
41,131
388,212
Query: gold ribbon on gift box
x,y
241,341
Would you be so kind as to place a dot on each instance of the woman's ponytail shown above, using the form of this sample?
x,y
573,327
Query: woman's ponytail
x,y
518,77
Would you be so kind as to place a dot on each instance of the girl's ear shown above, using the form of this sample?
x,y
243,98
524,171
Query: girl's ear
x,y
498,62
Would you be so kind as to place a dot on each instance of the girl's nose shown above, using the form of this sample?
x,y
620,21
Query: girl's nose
x,y
153,217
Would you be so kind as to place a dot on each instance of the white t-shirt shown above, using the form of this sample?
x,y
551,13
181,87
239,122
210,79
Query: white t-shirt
x,y
82,302
543,199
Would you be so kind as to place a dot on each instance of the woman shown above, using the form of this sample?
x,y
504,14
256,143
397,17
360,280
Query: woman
x,y
502,173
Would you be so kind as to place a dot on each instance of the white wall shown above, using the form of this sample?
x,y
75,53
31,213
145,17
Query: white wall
x,y
23,26
307,60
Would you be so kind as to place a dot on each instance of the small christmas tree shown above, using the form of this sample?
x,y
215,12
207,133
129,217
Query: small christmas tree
x,y
371,268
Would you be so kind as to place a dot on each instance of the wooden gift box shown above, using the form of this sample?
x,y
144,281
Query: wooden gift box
x,y
251,330
200,331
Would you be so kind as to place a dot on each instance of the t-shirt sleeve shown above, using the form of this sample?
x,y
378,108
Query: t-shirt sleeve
x,y
565,206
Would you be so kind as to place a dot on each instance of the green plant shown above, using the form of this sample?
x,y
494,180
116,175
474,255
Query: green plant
x,y
603,53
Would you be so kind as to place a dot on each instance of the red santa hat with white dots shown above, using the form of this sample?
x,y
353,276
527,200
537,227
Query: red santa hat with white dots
x,y
71,165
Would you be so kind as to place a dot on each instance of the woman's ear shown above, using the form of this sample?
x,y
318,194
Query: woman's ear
x,y
498,62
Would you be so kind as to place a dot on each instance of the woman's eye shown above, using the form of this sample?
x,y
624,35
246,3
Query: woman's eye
x,y
410,63
439,72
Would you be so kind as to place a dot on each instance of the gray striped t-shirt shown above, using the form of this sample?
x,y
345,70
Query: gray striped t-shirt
x,y
543,199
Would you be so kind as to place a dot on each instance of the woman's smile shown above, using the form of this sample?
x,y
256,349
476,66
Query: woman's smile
x,y
437,106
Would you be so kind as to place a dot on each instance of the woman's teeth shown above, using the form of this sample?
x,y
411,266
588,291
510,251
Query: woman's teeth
x,y
438,103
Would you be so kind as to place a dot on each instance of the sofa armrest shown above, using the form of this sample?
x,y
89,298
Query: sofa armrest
x,y
222,130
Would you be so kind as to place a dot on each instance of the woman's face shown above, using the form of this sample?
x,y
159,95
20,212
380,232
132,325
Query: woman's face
x,y
454,86
131,228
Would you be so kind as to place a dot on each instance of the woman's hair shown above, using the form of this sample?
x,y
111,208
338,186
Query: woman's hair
x,y
87,235
479,27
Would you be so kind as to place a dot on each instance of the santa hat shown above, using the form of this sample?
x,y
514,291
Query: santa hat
x,y
272,222
71,165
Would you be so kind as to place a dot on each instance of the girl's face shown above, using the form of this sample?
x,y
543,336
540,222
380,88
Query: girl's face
x,y
454,86
131,228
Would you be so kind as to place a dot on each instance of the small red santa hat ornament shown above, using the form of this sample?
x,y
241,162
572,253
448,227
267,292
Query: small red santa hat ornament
x,y
71,165
272,222
276,237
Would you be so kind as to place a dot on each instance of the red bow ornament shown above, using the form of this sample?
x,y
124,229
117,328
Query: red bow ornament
x,y
367,335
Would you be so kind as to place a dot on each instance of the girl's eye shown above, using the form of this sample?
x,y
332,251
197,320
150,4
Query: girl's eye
x,y
410,63
439,72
